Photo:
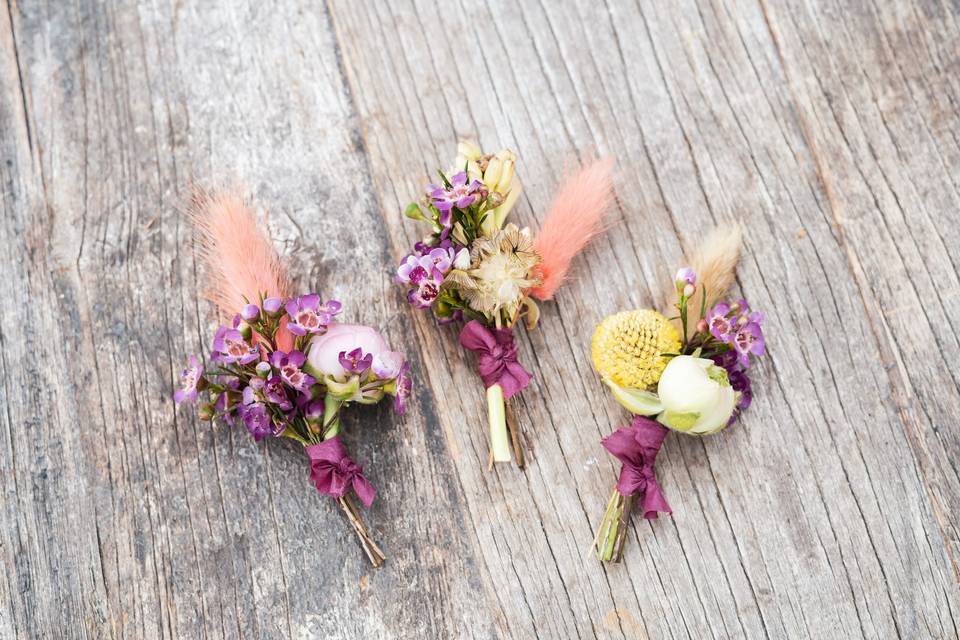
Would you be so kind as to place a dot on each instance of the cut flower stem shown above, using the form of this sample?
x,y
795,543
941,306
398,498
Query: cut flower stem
x,y
496,412
331,422
612,532
363,534
504,435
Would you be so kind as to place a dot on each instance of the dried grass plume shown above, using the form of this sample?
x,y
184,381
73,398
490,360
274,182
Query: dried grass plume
x,y
715,263
574,218
239,261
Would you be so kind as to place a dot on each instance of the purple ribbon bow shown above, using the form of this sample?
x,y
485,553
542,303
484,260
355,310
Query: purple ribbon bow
x,y
636,447
498,357
334,472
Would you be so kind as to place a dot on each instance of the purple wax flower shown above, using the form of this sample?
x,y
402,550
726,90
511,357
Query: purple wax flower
x,y
387,365
250,312
721,326
255,416
460,194
275,393
686,276
272,306
229,346
355,361
307,315
289,365
404,386
189,379
749,339
424,294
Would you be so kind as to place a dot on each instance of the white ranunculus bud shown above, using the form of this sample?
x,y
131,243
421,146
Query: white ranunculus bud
x,y
696,395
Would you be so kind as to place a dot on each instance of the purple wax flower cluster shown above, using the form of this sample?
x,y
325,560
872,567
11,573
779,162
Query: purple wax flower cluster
x,y
269,370
728,333
424,270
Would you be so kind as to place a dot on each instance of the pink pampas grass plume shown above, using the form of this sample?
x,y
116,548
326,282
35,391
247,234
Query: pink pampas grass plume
x,y
575,218
240,262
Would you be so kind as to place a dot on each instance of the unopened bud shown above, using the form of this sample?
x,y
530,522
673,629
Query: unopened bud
x,y
272,306
206,412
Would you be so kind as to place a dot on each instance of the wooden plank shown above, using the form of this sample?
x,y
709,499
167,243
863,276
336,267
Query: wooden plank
x,y
830,130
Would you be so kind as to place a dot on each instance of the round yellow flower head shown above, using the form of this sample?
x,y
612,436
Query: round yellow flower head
x,y
627,347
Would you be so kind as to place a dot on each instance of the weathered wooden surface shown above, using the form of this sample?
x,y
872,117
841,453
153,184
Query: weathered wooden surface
x,y
831,129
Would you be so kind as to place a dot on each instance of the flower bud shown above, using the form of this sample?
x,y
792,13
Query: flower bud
x,y
467,151
506,172
264,369
696,395
494,200
686,281
245,330
250,312
414,212
207,412
702,325
272,306
492,173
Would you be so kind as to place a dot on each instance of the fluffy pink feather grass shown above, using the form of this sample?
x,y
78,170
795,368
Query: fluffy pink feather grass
x,y
575,218
239,260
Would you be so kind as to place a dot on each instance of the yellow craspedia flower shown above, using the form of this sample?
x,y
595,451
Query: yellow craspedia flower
x,y
627,346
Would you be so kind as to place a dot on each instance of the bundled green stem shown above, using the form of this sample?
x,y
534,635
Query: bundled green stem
x,y
612,532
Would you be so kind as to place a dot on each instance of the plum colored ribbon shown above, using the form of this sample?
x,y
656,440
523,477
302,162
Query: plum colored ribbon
x,y
334,472
636,447
497,357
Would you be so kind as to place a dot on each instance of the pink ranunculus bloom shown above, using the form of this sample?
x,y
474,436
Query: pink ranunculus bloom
x,y
323,355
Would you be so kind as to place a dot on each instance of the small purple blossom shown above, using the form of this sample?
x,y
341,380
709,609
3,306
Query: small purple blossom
x,y
460,194
229,346
404,387
250,312
307,315
387,365
290,367
720,324
686,276
749,339
272,306
189,381
254,414
355,361
426,268
275,393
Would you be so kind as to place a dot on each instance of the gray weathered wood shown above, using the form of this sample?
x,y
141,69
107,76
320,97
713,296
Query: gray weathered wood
x,y
831,129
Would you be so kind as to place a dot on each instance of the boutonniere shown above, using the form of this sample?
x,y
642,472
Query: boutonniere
x,y
476,267
687,373
284,366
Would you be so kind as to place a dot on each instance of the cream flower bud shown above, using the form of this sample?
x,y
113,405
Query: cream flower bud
x,y
696,395
505,177
492,174
467,150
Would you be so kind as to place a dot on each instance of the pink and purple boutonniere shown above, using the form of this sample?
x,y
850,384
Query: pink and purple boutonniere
x,y
284,367
475,267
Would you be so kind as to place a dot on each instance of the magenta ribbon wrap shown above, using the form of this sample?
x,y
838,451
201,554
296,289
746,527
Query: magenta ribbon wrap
x,y
334,472
636,447
497,357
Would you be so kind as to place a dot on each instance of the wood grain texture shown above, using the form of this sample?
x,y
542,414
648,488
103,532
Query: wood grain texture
x,y
831,129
